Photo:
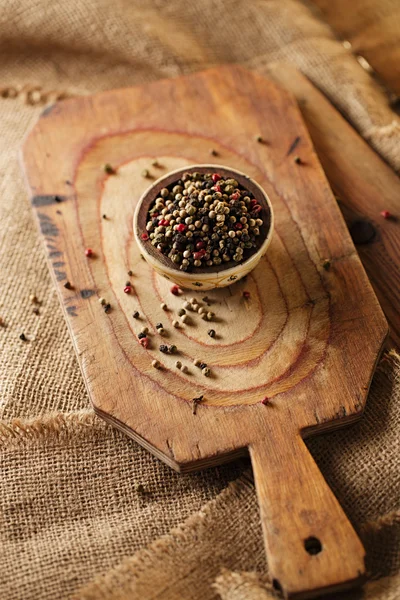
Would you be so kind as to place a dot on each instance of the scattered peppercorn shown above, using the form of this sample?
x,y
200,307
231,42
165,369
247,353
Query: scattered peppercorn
x,y
145,330
265,401
172,349
181,312
2,324
141,335
89,252
159,326
326,264
246,294
187,305
145,173
185,369
184,318
127,289
175,290
145,237
104,216
211,333
163,348
161,330
102,301
35,312
67,285
163,306
107,308
210,316
202,365
204,220
175,324
213,152
156,364
298,160
33,299
23,337
386,214
206,372
130,273
144,342
136,314
260,139
197,362
178,364
109,169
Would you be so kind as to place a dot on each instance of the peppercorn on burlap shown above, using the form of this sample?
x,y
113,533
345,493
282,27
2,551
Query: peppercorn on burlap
x,y
85,512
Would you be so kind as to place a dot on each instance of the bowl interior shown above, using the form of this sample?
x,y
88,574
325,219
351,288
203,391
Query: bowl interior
x,y
153,191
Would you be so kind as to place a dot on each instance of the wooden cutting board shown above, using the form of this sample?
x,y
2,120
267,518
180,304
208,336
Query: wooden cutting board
x,y
307,338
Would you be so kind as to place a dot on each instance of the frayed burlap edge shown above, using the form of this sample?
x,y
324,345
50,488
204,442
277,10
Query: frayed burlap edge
x,y
51,428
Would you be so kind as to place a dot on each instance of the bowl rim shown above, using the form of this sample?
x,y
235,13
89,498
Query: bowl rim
x,y
190,277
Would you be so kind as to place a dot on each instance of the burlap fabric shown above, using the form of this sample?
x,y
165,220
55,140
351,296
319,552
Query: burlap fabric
x,y
85,512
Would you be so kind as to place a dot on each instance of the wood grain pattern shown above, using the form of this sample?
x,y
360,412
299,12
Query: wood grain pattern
x,y
365,185
308,338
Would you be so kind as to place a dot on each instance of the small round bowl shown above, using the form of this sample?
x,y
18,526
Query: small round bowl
x,y
203,278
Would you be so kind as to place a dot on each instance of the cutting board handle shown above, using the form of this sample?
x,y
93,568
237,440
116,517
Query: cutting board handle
x,y
311,546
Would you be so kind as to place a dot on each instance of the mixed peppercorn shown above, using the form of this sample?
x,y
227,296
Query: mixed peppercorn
x,y
204,220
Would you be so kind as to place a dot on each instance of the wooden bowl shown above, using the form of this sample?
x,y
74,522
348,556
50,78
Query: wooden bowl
x,y
216,276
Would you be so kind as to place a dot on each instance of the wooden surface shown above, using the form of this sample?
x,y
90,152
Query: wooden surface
x,y
364,184
307,338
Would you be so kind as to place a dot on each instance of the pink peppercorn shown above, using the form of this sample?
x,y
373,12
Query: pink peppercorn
x,y
215,177
235,196
200,245
246,294
386,214
257,208
265,400
199,254
181,227
127,289
144,342
238,226
145,236
253,202
175,290
217,188
89,252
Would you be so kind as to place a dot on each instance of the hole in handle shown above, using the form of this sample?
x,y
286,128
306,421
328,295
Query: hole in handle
x,y
312,545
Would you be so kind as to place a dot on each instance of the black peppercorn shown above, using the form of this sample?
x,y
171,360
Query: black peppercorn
x,y
164,348
202,365
211,333
136,314
141,336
